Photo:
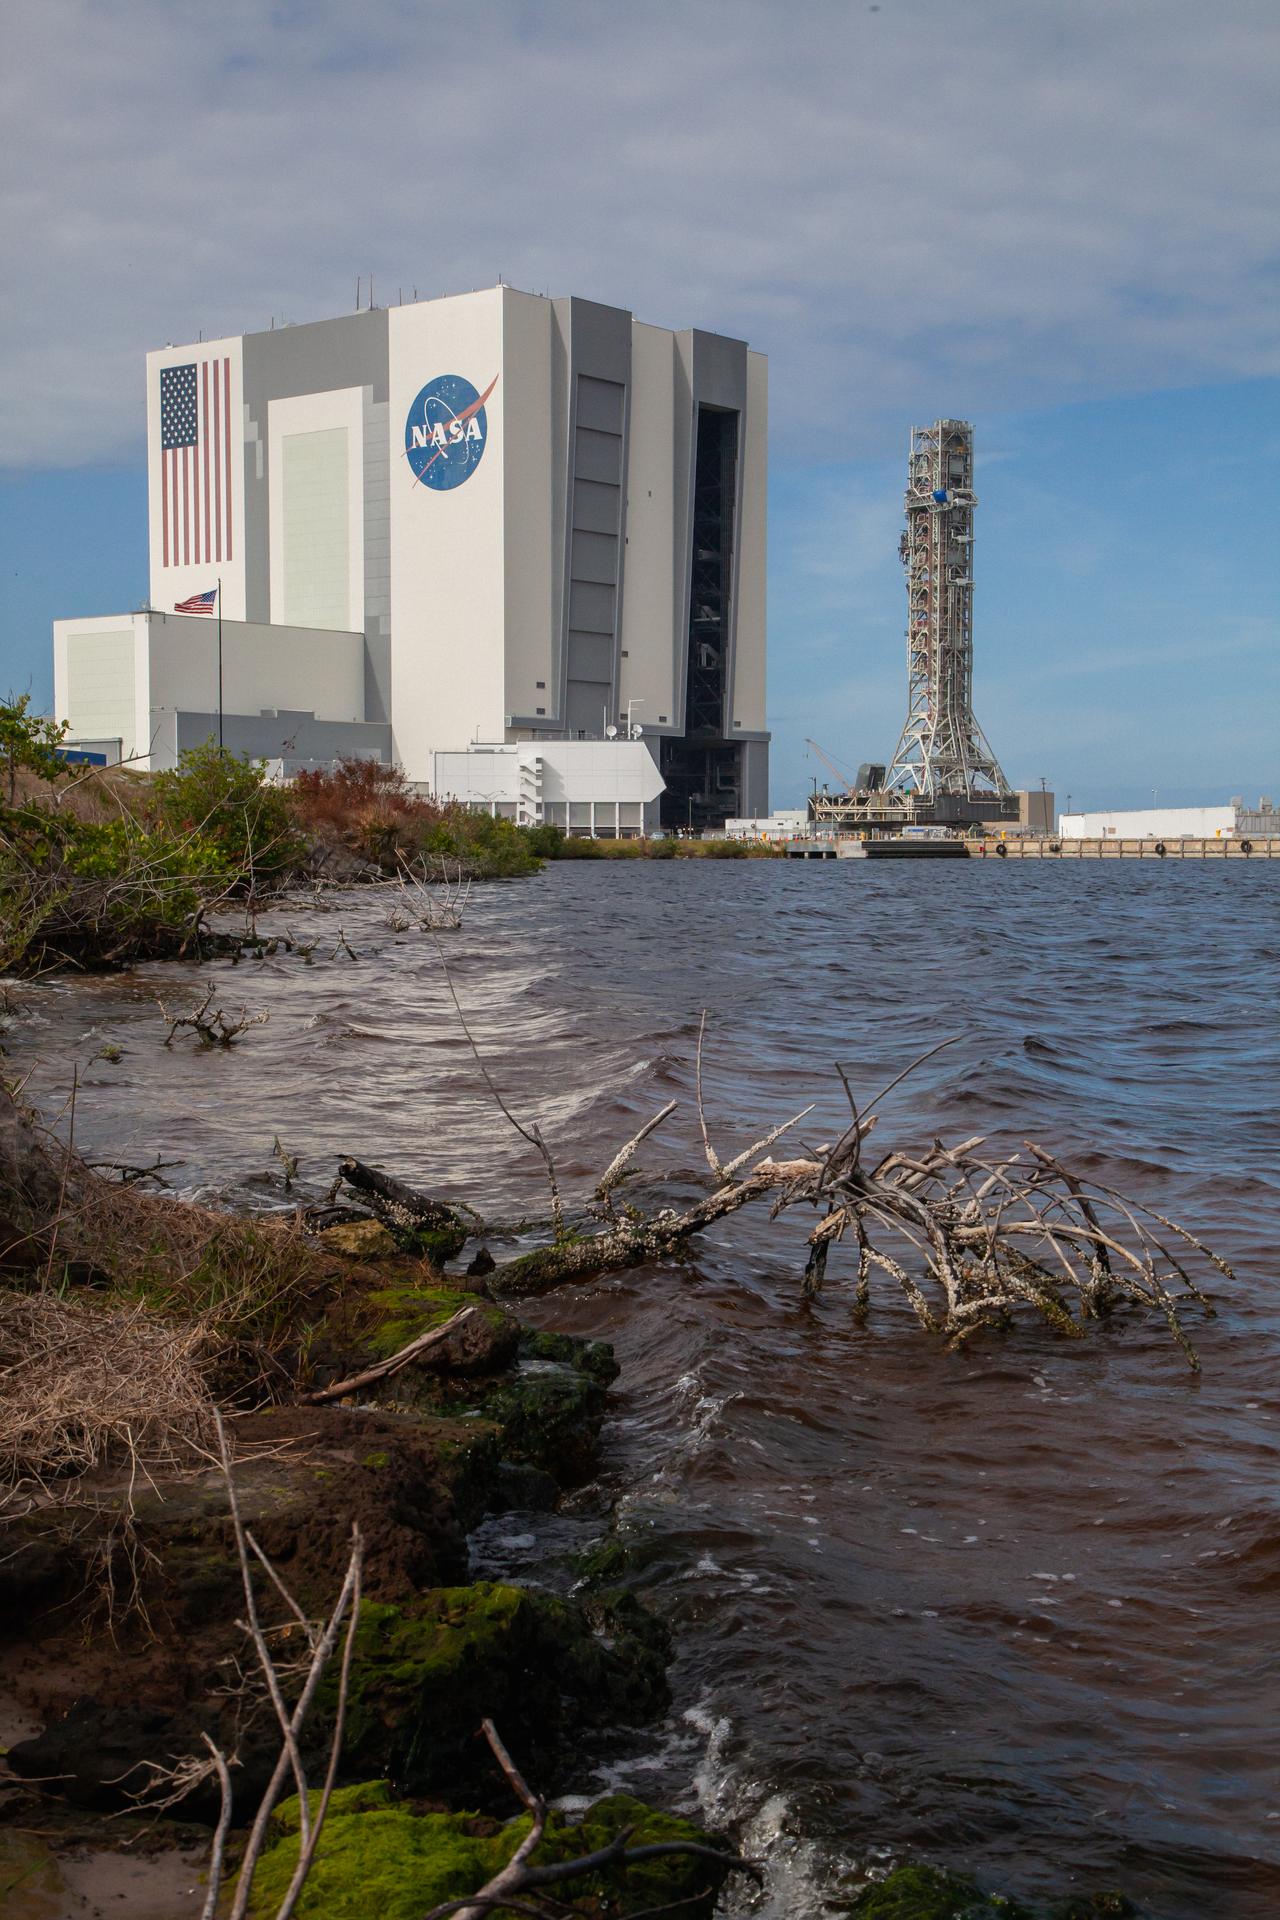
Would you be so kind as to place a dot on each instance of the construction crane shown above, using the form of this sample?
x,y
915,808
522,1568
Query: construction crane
x,y
846,780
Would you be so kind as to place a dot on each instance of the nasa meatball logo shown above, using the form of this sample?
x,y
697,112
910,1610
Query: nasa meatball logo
x,y
446,432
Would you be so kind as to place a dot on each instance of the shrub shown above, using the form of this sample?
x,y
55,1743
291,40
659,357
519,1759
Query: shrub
x,y
546,841
224,798
371,809
28,741
99,891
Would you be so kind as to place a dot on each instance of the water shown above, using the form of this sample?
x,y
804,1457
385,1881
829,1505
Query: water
x,y
1012,1609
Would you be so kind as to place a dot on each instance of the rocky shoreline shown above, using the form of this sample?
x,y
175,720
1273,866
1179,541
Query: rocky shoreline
x,y
120,1586
121,1644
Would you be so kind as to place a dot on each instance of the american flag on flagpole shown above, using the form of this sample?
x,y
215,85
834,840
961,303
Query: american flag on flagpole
x,y
198,603
195,462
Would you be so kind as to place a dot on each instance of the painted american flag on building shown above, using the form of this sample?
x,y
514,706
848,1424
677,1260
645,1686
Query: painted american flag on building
x,y
195,462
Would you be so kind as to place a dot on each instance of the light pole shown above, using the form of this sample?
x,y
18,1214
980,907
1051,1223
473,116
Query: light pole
x,y
220,745
633,702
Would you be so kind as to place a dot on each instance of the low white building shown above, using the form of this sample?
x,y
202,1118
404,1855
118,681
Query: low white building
x,y
1152,823
602,789
790,824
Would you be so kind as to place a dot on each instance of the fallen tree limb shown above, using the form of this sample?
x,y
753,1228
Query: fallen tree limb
x,y
396,1205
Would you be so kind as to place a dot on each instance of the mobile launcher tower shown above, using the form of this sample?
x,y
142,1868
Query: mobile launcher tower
x,y
943,770
942,755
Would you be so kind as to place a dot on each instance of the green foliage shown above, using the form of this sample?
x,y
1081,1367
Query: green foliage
x,y
99,890
224,798
489,847
27,741
545,842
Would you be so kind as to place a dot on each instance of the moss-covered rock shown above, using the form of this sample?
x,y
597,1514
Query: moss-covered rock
x,y
930,1893
359,1239
551,1409
438,1244
397,1314
592,1357
379,1856
544,1669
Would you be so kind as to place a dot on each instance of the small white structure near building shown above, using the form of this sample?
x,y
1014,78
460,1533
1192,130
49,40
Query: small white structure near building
x,y
601,789
1152,823
790,824
146,686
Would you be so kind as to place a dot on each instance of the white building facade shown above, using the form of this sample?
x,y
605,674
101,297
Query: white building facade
x,y
1152,823
601,789
542,517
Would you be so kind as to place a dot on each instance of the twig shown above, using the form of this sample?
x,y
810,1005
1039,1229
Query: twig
x,y
521,1876
531,1133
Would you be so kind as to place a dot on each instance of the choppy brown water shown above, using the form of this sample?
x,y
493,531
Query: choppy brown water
x,y
1015,1609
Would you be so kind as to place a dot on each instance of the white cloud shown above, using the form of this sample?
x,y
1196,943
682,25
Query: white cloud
x,y
933,206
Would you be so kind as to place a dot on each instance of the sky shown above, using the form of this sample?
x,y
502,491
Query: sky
x,y
1055,218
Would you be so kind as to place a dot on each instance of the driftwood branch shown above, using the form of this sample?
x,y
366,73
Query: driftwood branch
x,y
617,1167
212,1026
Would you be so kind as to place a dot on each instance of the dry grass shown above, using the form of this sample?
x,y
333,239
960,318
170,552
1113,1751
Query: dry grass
x,y
85,1387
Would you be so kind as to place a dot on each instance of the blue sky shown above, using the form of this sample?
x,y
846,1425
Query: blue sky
x,y
1056,219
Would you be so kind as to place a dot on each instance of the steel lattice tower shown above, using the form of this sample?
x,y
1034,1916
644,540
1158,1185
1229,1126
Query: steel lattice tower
x,y
943,751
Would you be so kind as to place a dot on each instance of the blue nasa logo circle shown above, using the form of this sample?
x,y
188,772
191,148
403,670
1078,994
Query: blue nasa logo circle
x,y
446,432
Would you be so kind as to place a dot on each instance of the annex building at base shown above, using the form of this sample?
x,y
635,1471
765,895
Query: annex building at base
x,y
481,521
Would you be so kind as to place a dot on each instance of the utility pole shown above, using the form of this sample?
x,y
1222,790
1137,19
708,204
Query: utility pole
x,y
220,663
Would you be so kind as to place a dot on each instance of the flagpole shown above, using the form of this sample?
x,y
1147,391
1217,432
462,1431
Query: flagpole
x,y
219,663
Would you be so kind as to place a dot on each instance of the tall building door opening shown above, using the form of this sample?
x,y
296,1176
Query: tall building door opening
x,y
703,771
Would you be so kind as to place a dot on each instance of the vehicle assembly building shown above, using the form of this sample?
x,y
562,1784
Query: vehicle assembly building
x,y
486,518
942,771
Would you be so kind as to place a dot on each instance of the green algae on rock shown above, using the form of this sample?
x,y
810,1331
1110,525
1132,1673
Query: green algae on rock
x,y
378,1856
426,1674
930,1893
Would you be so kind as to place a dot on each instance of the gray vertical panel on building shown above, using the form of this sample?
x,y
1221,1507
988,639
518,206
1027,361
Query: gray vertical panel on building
x,y
591,607
600,370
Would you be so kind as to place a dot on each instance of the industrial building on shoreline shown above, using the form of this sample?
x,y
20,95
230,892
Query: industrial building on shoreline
x,y
436,533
